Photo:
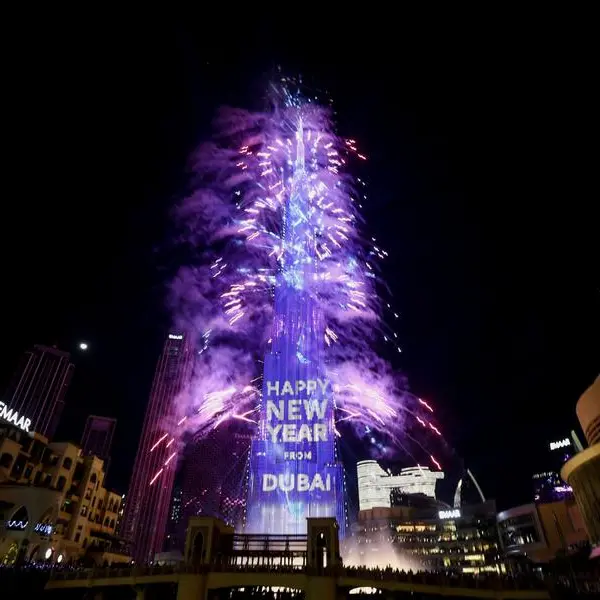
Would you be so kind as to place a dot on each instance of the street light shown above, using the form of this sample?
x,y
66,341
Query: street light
x,y
83,346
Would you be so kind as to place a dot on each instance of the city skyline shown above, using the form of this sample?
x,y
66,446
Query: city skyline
x,y
347,270
492,269
549,441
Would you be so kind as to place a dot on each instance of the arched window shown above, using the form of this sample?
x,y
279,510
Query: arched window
x,y
11,556
60,483
198,549
33,553
20,515
93,478
67,463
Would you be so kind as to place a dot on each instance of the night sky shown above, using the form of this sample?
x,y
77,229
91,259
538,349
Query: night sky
x,y
480,188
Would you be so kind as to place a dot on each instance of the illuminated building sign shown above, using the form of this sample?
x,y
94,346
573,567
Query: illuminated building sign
x,y
449,514
296,427
294,471
560,444
12,416
41,528
172,336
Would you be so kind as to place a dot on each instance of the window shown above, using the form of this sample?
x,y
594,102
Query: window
x,y
6,460
20,515
67,463
18,466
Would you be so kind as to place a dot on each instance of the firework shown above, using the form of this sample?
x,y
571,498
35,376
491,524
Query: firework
x,y
274,205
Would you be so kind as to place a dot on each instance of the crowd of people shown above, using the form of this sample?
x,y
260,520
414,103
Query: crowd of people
x,y
36,574
488,580
450,579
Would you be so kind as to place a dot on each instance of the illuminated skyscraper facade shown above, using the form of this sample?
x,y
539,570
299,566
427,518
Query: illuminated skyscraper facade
x,y
213,484
38,388
295,471
149,496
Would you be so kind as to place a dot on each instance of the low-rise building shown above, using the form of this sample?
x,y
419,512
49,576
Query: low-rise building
x,y
542,531
53,503
420,533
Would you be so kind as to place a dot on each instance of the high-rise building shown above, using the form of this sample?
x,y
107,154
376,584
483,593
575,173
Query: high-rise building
x,y
295,469
37,390
212,486
172,538
120,515
149,496
97,437
175,515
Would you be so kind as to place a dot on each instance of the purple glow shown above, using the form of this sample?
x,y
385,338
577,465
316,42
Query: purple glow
x,y
281,271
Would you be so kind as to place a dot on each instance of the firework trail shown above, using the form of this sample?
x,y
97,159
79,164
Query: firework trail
x,y
234,222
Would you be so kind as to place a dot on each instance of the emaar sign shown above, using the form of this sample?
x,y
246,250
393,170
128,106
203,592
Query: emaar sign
x,y
560,444
12,416
449,514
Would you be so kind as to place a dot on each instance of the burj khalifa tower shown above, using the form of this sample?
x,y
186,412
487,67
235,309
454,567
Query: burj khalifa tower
x,y
295,470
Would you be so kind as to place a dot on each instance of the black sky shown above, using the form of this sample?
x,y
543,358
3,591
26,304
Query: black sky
x,y
481,187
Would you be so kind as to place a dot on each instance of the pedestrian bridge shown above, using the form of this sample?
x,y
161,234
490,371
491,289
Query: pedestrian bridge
x,y
216,560
194,584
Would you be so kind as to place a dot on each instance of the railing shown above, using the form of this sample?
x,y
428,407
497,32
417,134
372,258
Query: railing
x,y
104,572
269,543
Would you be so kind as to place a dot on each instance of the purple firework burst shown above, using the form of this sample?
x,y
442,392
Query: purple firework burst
x,y
237,220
